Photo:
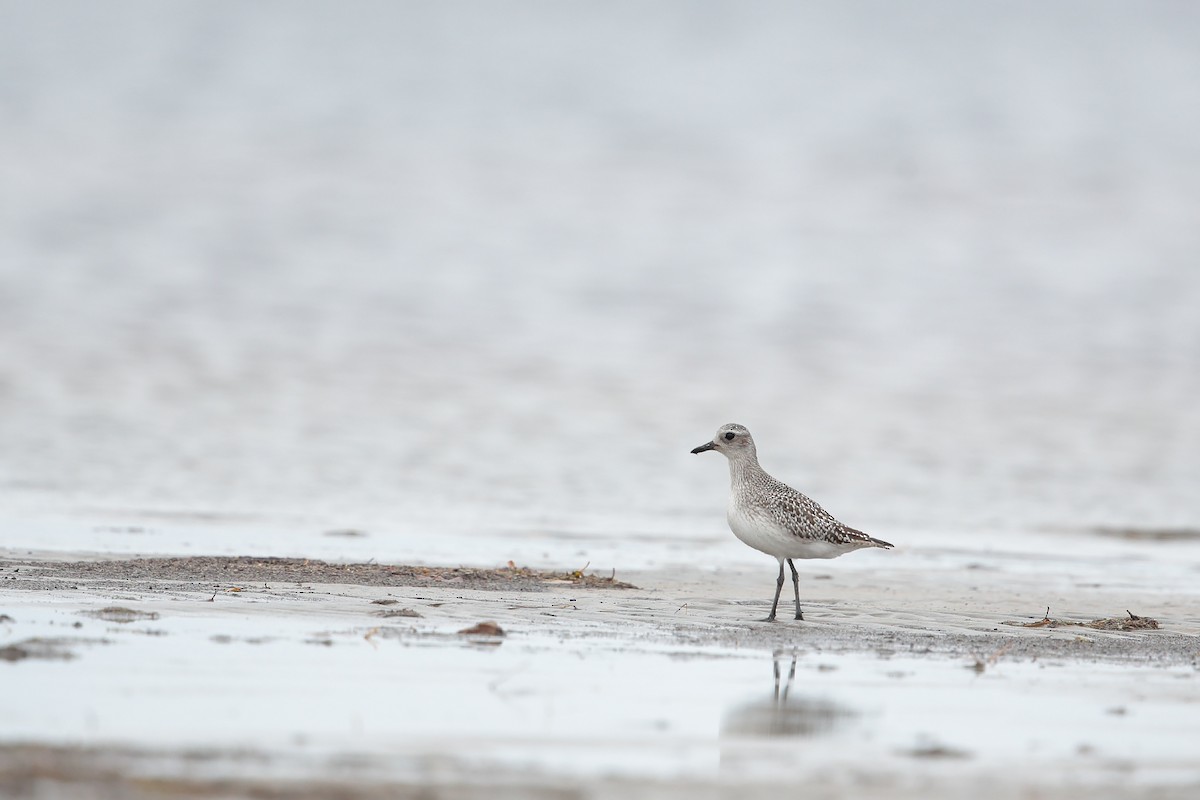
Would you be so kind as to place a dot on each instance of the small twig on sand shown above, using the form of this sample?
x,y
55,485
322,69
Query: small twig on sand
x,y
1044,622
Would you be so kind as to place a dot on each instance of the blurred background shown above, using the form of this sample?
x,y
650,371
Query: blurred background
x,y
474,277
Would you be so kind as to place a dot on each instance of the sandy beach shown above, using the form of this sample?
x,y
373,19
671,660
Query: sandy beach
x,y
245,677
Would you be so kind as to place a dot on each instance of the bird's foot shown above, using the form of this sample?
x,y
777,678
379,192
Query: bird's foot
x,y
768,619
800,616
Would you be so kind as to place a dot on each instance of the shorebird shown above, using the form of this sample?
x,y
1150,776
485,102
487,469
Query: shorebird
x,y
774,518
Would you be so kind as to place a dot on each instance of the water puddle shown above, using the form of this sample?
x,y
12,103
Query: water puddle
x,y
394,700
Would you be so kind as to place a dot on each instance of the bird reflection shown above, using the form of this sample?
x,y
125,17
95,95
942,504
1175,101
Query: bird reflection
x,y
785,715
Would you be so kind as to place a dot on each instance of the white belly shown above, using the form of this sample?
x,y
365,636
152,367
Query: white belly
x,y
765,536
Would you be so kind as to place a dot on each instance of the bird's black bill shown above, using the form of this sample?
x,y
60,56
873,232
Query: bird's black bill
x,y
703,447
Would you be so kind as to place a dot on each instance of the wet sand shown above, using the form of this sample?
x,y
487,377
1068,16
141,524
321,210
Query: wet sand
x,y
845,612
657,684
124,773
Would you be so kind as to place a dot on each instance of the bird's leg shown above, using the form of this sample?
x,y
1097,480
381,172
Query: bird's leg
x,y
778,589
795,585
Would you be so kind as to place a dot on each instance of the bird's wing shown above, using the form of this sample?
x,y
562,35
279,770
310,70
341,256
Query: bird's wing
x,y
803,516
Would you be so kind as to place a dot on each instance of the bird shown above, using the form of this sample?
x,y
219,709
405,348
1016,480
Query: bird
x,y
774,518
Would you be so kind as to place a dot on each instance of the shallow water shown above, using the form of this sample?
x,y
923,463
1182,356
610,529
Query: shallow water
x,y
397,704
463,276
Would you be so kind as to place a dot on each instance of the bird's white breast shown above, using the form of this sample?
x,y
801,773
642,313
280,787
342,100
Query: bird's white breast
x,y
765,535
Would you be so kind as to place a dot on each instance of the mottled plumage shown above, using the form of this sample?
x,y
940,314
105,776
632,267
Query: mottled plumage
x,y
774,518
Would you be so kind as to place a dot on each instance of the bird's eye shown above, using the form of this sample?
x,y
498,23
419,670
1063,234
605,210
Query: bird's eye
x,y
729,436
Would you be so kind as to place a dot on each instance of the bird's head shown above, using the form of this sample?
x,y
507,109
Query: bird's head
x,y
732,441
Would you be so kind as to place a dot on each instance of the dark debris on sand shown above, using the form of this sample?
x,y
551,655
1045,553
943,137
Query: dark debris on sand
x,y
1129,623
248,569
39,647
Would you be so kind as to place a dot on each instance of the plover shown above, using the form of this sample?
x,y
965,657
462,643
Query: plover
x,y
774,518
